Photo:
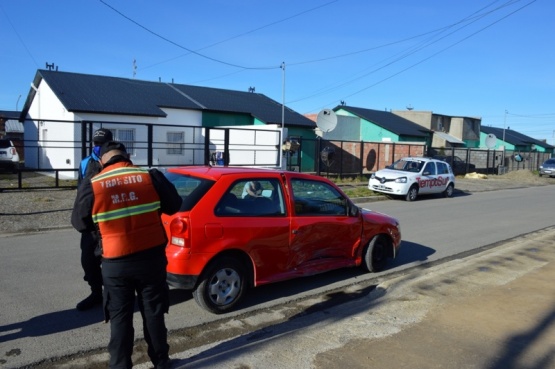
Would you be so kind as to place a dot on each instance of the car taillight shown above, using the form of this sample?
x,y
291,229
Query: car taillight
x,y
12,149
179,231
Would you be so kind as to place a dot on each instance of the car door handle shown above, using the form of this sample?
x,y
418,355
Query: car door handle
x,y
295,231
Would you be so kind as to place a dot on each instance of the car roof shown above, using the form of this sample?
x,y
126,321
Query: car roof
x,y
217,172
412,158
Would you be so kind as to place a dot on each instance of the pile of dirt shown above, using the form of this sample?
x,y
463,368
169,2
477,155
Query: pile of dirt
x,y
524,176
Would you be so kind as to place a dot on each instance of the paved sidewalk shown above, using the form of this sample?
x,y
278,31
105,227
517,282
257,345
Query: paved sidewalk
x,y
503,326
492,310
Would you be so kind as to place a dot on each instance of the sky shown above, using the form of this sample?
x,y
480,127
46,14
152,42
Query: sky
x,y
489,59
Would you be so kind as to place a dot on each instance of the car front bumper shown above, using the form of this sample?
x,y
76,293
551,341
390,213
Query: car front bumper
x,y
391,188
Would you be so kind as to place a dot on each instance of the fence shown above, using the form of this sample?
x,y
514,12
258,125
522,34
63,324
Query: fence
x,y
54,163
357,158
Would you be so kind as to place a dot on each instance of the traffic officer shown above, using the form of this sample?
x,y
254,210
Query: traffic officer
x,y
90,256
123,203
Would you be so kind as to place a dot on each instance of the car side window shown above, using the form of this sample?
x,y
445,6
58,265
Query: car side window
x,y
442,168
252,197
314,198
430,168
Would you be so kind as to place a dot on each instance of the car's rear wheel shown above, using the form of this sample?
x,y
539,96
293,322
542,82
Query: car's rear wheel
x,y
222,286
449,190
412,194
375,255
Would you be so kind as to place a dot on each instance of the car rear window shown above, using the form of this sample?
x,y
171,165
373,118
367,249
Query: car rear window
x,y
191,189
4,144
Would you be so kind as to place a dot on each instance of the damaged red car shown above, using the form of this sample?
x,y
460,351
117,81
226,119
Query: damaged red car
x,y
243,227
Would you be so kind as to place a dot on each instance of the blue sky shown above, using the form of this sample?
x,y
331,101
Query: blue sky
x,y
488,59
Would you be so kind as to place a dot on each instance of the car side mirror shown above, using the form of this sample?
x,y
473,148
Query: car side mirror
x,y
353,210
426,173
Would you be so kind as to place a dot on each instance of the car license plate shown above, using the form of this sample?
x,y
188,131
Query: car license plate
x,y
381,187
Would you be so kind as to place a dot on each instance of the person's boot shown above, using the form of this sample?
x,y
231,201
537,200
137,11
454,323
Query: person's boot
x,y
95,298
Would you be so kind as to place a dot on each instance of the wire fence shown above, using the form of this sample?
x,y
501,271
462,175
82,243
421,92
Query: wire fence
x,y
52,150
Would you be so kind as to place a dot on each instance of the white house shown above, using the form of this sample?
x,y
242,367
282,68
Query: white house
x,y
160,123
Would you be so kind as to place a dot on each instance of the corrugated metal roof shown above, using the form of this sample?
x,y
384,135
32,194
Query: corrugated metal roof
x,y
514,137
14,126
387,120
122,96
447,137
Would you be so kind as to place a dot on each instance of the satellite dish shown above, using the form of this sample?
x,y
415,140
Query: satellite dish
x,y
326,120
491,141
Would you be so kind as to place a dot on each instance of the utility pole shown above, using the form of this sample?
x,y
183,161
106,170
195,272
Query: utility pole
x,y
504,128
280,151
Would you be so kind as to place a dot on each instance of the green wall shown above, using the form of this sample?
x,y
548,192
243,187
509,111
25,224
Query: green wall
x,y
210,119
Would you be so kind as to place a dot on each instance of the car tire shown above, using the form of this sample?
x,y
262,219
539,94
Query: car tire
x,y
449,190
222,286
412,193
374,257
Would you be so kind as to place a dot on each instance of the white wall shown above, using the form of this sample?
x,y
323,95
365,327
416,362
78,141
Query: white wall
x,y
63,147
55,141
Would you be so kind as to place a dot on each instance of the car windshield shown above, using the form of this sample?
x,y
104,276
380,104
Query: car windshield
x,y
191,189
549,162
405,165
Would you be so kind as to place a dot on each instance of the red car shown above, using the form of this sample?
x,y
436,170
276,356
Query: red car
x,y
244,227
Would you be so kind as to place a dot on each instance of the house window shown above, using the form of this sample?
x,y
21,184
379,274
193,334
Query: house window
x,y
127,137
176,142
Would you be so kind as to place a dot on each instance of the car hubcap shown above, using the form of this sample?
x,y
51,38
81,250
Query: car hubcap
x,y
224,287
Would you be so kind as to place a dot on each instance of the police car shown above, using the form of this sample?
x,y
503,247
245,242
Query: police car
x,y
413,176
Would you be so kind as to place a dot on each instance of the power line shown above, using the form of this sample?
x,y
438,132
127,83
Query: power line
x,y
19,37
248,32
434,54
181,46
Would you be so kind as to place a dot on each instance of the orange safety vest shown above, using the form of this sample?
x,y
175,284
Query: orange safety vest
x,y
126,210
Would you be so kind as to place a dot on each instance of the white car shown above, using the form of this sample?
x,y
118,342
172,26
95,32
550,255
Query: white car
x,y
413,176
9,158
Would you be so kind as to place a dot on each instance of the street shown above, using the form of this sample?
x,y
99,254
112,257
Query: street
x,y
40,281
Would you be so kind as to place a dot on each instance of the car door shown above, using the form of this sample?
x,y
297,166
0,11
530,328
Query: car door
x,y
427,181
323,235
257,225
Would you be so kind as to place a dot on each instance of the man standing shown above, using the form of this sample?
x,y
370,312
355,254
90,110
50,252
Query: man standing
x,y
90,256
123,202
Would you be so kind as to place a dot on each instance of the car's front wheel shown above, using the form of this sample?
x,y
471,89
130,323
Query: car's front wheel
x,y
222,286
412,194
375,255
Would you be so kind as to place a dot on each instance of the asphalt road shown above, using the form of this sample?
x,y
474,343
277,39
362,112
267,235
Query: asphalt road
x,y
40,282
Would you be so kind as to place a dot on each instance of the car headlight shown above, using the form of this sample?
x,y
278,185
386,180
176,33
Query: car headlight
x,y
373,176
401,180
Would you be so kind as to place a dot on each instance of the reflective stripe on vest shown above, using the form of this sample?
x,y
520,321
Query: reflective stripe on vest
x,y
126,212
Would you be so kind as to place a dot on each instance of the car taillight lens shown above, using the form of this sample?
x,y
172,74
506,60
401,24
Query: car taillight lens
x,y
179,231
12,150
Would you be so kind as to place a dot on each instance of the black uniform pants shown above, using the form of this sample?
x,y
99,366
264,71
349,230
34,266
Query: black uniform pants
x,y
152,292
91,262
